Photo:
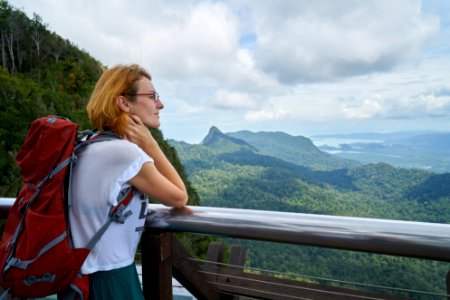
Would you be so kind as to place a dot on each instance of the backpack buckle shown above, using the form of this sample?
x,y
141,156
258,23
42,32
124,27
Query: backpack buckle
x,y
46,277
119,216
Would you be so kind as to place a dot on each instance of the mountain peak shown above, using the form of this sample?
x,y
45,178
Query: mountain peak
x,y
214,130
213,134
217,139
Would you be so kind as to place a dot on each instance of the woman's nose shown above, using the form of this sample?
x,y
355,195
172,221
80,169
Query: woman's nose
x,y
160,104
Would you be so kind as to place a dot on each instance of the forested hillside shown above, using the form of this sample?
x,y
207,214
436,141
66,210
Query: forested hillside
x,y
41,74
295,149
232,172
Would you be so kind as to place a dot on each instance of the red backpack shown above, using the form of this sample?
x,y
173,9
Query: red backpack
x,y
37,257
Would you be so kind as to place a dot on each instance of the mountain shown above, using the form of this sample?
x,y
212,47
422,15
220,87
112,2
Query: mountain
x,y
236,170
295,149
218,140
241,172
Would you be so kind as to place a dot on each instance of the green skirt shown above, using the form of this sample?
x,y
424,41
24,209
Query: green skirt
x,y
122,283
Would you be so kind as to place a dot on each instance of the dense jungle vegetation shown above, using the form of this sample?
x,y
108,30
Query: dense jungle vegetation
x,y
275,171
43,74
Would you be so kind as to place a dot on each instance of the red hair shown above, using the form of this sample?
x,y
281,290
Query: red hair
x,y
102,108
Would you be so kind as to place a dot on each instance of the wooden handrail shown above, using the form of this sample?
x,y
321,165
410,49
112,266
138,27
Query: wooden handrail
x,y
401,238
394,237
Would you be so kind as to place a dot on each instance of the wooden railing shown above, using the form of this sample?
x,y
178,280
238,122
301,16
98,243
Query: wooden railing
x,y
217,279
163,256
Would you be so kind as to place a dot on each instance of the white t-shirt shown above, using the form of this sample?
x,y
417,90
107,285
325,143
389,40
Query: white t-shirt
x,y
100,173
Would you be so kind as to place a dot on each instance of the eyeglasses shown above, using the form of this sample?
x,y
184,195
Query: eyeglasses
x,y
153,96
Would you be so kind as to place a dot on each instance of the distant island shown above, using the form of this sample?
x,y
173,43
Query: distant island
x,y
426,150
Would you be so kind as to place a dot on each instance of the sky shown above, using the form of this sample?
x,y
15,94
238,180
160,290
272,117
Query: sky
x,y
302,67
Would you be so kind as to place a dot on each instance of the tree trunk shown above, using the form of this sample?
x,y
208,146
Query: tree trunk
x,y
10,44
4,58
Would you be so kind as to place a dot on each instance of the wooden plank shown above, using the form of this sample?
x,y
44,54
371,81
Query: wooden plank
x,y
269,287
156,265
214,254
237,256
187,272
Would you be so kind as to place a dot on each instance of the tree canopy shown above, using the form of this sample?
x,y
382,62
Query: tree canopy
x,y
43,74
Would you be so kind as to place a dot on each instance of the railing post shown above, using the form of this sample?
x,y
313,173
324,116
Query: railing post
x,y
237,257
156,247
191,275
235,266
448,285
215,253
218,272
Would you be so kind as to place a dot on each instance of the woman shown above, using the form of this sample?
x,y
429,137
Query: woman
x,y
125,102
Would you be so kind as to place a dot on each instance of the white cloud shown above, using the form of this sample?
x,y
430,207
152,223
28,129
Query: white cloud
x,y
241,63
296,41
368,109
233,100
201,42
265,115
322,40
434,105
425,104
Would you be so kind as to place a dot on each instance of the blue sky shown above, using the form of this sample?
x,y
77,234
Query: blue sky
x,y
302,67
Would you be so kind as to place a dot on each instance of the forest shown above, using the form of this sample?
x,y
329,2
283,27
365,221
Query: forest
x,y
42,73
274,171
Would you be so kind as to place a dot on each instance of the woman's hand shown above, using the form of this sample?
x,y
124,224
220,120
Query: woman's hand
x,y
159,180
138,133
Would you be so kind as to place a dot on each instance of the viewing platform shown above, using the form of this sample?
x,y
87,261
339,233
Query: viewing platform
x,y
164,256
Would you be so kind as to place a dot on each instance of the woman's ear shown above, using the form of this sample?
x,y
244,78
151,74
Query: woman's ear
x,y
123,103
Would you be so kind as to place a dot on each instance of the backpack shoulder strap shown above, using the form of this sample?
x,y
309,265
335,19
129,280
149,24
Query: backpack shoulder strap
x,y
116,214
124,198
90,138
